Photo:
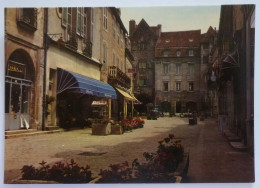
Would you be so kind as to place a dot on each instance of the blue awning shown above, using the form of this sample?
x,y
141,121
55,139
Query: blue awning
x,y
82,84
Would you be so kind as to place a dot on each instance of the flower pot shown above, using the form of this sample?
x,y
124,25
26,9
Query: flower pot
x,y
116,129
101,129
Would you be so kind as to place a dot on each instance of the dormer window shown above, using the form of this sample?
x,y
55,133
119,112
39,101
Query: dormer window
x,y
166,53
178,53
190,40
191,53
167,41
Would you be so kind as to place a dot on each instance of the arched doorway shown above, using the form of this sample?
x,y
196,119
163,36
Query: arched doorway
x,y
191,106
18,81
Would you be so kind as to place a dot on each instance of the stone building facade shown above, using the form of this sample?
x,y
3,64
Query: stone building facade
x,y
177,72
235,72
143,40
24,62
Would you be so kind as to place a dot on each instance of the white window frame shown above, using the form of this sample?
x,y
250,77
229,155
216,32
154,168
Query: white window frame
x,y
178,70
64,18
104,55
178,53
92,24
165,68
178,86
191,52
105,17
80,24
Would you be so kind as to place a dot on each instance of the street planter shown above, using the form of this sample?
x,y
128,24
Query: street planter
x,y
101,129
20,181
183,167
116,129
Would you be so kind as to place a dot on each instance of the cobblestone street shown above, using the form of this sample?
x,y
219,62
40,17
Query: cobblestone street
x,y
212,159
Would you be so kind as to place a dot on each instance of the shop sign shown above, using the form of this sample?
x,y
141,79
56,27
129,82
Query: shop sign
x,y
131,71
15,68
99,103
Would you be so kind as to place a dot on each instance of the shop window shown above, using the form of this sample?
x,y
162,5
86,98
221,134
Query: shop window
x,y
27,17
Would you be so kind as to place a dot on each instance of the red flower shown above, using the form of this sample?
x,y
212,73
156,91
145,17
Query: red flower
x,y
171,136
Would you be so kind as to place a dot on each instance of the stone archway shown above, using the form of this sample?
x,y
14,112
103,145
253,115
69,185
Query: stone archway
x,y
191,106
19,90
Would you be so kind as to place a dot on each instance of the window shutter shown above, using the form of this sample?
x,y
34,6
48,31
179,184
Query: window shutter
x,y
64,20
84,23
78,26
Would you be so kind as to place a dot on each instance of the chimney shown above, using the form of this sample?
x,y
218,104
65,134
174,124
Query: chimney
x,y
159,30
132,27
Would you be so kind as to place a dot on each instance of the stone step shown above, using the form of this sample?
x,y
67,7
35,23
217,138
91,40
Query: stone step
x,y
20,131
31,134
51,128
234,139
239,146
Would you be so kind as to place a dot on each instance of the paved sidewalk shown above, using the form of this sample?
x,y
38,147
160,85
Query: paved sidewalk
x,y
212,159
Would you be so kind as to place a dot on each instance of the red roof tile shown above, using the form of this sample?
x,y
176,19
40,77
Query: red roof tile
x,y
179,39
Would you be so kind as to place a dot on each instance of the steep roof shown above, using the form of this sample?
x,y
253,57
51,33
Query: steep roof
x,y
179,39
205,37
143,28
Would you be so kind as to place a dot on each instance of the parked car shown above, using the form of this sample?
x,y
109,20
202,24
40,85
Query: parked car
x,y
152,115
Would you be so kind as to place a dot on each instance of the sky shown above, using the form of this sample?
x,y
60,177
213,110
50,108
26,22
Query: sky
x,y
174,18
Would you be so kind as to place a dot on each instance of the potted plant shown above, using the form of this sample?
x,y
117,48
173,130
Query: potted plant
x,y
101,127
116,128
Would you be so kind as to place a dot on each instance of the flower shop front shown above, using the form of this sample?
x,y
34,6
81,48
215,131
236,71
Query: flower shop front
x,y
80,98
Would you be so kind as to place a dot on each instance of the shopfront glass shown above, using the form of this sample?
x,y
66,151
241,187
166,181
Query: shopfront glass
x,y
16,96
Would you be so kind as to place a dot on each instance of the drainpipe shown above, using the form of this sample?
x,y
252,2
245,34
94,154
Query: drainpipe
x,y
45,46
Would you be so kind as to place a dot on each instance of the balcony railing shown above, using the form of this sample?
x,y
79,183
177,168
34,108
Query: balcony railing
x,y
72,40
115,75
87,49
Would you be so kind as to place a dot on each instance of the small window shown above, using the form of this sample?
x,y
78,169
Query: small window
x,y
191,69
178,69
27,17
105,18
178,86
191,86
165,86
191,40
165,68
178,53
167,40
166,53
142,65
142,46
142,82
191,53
